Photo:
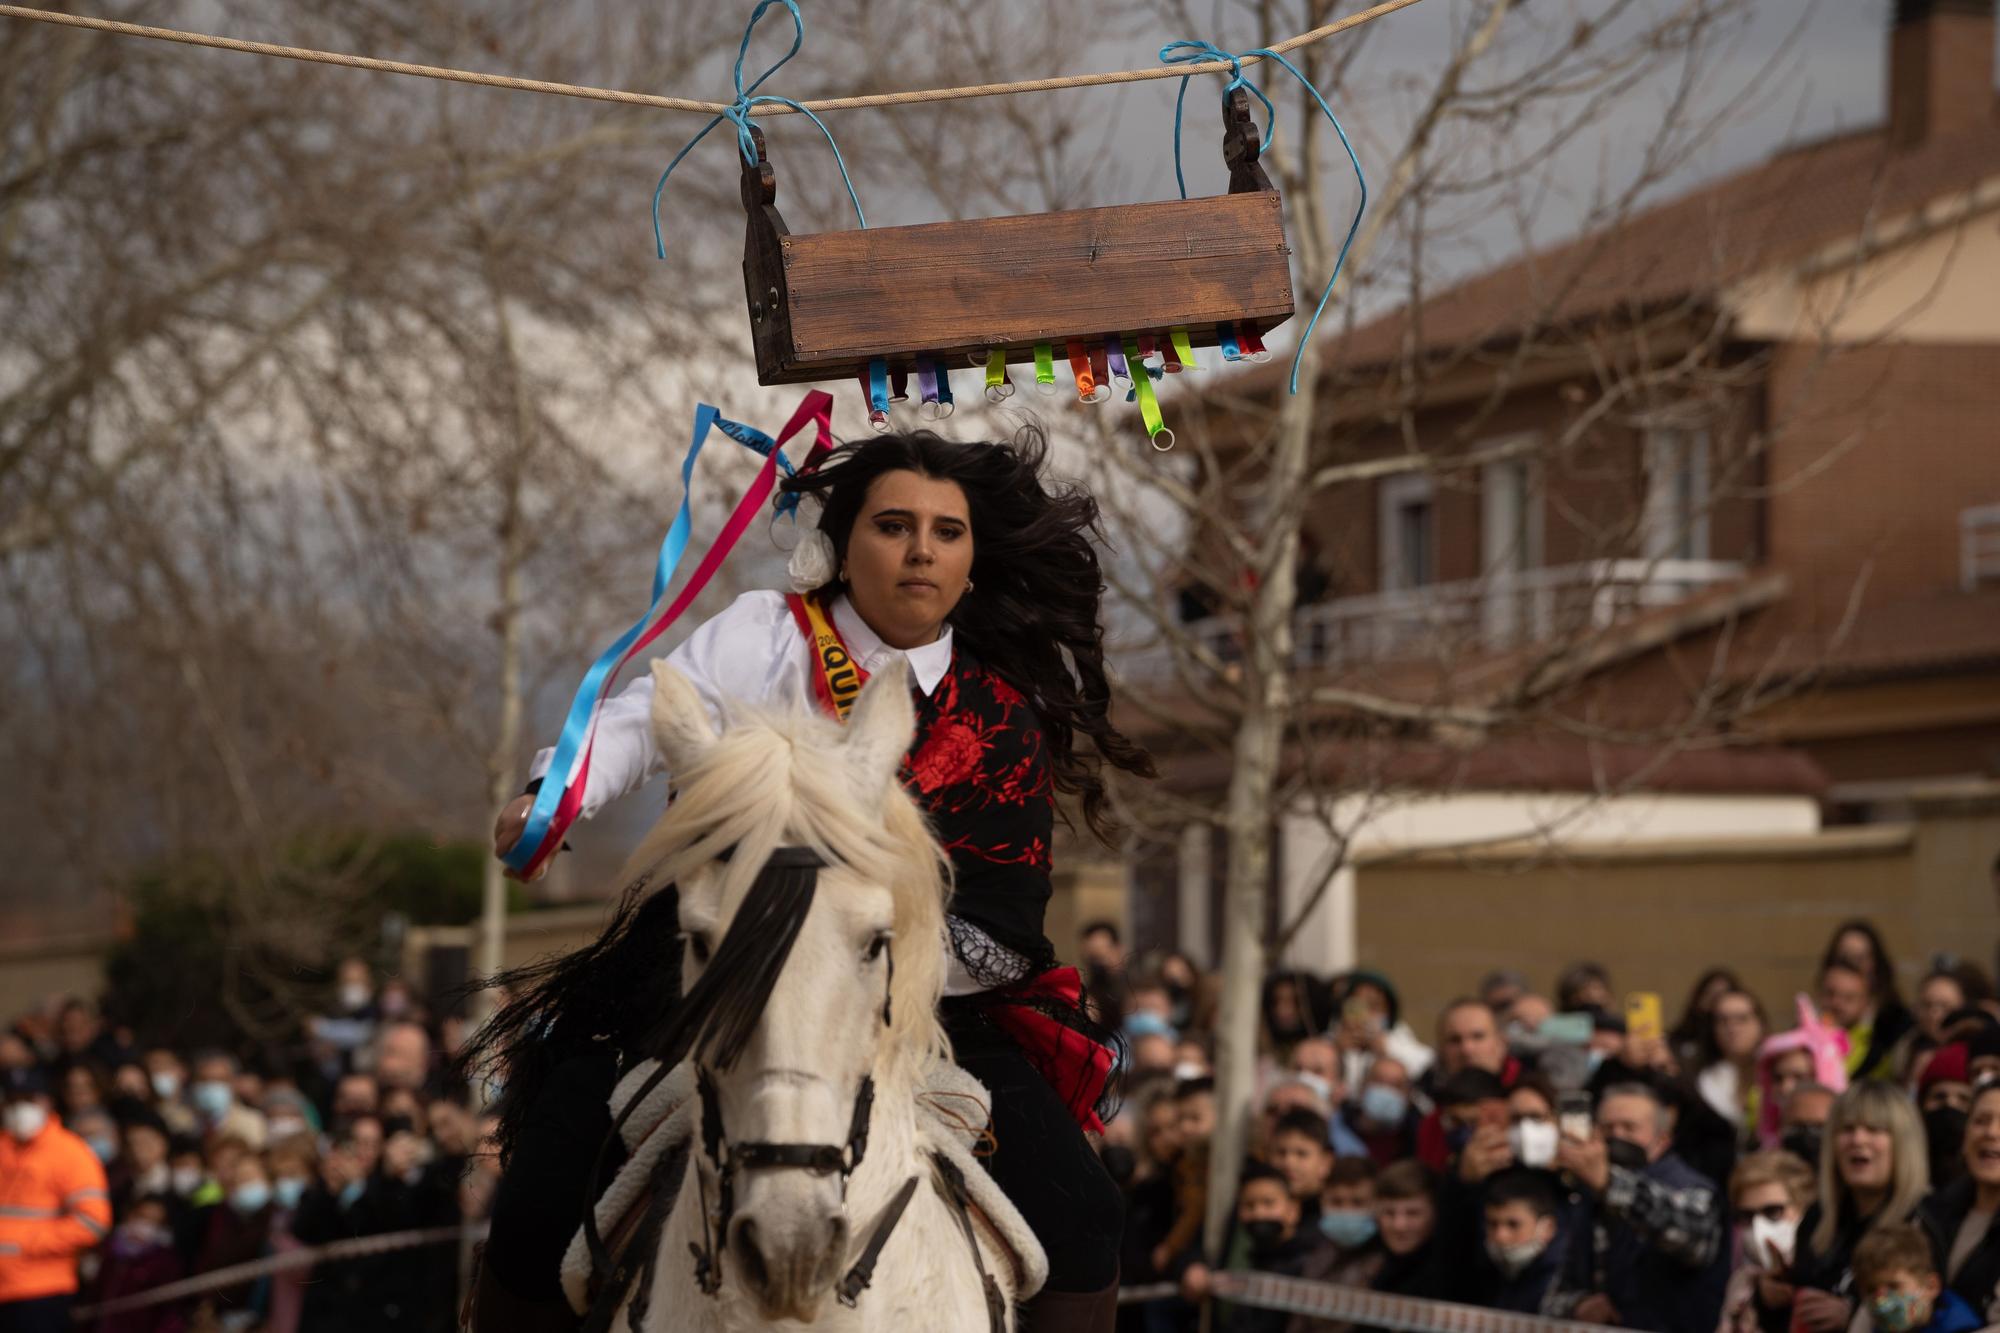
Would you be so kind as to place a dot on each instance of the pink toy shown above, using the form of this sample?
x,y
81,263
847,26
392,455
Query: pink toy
x,y
1828,1048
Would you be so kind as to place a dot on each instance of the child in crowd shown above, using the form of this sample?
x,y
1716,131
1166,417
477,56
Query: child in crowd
x,y
1347,1205
1523,1260
1897,1279
1300,1152
1268,1214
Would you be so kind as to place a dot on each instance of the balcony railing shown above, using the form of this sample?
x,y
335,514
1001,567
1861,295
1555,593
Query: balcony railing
x,y
1503,611
1979,546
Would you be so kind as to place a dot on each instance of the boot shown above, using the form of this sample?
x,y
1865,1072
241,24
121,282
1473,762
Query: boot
x,y
1071,1312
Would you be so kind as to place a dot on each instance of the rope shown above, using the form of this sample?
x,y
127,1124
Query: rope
x,y
773,108
738,113
1190,54
360,1247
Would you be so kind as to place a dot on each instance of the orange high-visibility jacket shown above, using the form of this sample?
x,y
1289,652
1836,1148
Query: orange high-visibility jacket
x,y
53,1207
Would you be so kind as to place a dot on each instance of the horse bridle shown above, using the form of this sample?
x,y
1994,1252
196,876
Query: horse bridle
x,y
821,1159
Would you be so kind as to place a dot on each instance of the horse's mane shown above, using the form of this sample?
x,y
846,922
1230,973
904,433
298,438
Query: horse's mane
x,y
775,780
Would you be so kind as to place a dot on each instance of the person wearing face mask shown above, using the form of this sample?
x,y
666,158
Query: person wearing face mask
x,y
1521,1261
1769,1192
140,1256
1316,1062
168,1078
1897,1277
1959,1217
54,1206
1874,1169
1812,1052
1658,1242
213,1096
236,1231
1944,1097
294,1168
1382,1115
1268,1215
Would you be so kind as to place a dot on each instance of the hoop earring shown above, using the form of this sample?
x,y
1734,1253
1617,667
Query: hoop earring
x,y
968,585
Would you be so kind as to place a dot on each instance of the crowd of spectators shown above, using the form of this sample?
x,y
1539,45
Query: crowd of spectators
x,y
1714,1173
126,1166
1524,1151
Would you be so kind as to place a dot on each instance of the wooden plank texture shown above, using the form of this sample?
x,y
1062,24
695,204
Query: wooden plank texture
x,y
956,289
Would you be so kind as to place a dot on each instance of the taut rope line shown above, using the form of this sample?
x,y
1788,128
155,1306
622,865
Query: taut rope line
x,y
450,75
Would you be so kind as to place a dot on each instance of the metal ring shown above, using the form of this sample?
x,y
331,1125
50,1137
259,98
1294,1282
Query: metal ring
x,y
999,393
945,410
879,420
1155,440
1046,387
929,409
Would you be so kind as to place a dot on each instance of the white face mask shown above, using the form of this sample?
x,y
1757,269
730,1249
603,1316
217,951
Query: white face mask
x,y
166,1084
1771,1244
1514,1260
1534,1142
26,1119
355,995
187,1179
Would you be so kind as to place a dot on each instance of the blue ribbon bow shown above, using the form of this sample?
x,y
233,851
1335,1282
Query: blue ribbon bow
x,y
1187,52
738,114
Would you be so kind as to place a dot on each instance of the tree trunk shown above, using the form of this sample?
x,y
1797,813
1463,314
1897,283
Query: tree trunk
x,y
1248,813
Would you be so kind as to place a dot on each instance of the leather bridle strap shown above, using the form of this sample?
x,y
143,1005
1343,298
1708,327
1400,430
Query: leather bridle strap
x,y
953,1183
856,1281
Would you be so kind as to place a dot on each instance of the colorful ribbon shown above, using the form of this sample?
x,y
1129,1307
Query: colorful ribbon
x,y
1086,382
1225,337
998,386
1184,349
1121,373
944,403
875,384
560,798
1100,367
1170,358
1253,345
927,395
1045,368
1149,403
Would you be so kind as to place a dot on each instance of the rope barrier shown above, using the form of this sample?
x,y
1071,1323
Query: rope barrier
x,y
509,82
361,1247
1359,1306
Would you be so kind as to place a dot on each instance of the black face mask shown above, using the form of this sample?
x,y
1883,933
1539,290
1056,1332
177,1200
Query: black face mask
x,y
1625,1153
1119,1161
1265,1235
1803,1142
1944,1130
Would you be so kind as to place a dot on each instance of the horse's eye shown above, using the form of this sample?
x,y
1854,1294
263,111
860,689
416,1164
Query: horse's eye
x,y
877,945
698,944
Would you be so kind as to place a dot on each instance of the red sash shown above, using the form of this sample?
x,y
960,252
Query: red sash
x,y
1074,1065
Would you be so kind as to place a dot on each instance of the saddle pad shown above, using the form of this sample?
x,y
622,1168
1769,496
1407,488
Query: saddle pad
x,y
954,1109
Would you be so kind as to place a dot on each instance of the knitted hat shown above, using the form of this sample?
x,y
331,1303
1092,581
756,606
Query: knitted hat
x,y
1951,1064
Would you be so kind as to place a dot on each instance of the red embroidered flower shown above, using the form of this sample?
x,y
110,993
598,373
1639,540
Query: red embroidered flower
x,y
951,754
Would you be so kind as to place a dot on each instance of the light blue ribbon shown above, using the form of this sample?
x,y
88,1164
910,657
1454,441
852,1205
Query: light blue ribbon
x,y
1194,52
582,709
738,114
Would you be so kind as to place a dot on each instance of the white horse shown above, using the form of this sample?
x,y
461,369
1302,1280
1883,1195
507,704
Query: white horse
x,y
814,1052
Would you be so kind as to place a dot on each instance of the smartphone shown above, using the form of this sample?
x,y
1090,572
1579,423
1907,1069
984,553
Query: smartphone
x,y
1566,1030
1573,1117
1642,1016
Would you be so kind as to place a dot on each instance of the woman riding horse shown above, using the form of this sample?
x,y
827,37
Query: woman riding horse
x,y
962,558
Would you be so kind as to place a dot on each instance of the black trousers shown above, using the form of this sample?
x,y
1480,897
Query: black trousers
x,y
47,1314
1042,1162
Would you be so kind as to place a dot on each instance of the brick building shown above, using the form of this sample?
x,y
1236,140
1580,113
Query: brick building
x,y
1798,529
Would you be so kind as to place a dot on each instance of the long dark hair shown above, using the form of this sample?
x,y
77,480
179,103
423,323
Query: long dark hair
x,y
1695,1030
1882,988
617,990
1032,613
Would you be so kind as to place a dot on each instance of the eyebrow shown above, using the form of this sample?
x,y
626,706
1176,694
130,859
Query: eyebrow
x,y
911,514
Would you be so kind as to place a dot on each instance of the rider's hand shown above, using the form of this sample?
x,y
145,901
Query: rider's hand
x,y
507,830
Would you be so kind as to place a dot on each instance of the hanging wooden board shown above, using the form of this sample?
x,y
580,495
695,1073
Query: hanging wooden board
x,y
823,305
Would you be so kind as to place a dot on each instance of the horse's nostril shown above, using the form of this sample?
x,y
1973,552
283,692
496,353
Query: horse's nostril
x,y
756,1272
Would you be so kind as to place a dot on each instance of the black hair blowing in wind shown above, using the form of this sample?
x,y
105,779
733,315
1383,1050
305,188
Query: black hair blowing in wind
x,y
1033,612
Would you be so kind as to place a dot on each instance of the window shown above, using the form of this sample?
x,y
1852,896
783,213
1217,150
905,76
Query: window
x,y
1674,525
1407,514
1510,539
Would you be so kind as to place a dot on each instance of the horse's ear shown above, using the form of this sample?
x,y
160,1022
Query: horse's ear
x,y
879,729
680,719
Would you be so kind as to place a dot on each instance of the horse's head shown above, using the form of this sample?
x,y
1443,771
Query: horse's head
x,y
811,899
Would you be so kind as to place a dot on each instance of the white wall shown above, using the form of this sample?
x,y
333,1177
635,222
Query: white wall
x,y
1327,941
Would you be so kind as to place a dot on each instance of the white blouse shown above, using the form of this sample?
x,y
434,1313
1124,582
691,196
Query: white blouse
x,y
752,653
